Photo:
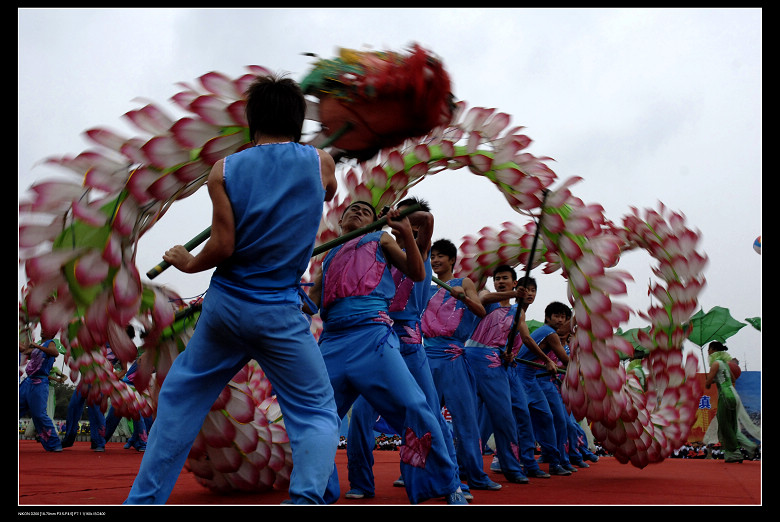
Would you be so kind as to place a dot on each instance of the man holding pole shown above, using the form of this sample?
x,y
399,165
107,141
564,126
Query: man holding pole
x,y
452,313
267,204
535,419
541,392
489,357
406,309
353,290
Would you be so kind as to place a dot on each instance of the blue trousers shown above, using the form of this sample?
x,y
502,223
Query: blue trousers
x,y
456,388
360,438
526,435
577,441
135,439
539,410
229,333
139,437
494,390
363,358
360,446
560,417
97,422
485,426
33,395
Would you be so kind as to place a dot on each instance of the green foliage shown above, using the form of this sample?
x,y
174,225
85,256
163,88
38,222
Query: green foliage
x,y
62,395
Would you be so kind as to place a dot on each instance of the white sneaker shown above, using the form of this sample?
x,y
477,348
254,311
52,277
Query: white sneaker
x,y
354,493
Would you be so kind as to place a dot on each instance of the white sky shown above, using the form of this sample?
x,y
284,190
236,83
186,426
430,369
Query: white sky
x,y
646,105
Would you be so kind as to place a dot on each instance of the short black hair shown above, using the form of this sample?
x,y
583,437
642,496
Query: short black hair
x,y
529,281
408,202
556,307
275,106
716,346
361,202
446,247
505,268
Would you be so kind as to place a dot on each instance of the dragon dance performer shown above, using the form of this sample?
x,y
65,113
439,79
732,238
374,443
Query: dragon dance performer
x,y
446,325
578,450
548,413
34,389
268,202
97,422
406,309
354,288
142,425
498,391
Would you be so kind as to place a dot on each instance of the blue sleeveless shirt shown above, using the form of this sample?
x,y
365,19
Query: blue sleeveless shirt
x,y
410,297
356,278
538,336
276,194
446,319
40,363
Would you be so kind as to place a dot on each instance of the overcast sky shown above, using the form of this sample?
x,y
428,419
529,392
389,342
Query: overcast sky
x,y
646,105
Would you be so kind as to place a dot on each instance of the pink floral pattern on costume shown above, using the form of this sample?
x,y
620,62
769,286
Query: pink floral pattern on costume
x,y
441,317
455,351
494,360
35,362
383,318
353,273
403,289
515,450
493,329
45,434
415,450
414,335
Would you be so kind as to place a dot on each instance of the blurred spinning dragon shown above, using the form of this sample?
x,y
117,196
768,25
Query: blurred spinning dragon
x,y
391,120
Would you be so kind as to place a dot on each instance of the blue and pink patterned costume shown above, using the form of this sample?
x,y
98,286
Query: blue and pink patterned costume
x,y
34,393
406,309
548,414
141,425
497,390
446,325
362,352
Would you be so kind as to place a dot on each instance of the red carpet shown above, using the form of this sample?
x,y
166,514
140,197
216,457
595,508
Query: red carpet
x,y
81,478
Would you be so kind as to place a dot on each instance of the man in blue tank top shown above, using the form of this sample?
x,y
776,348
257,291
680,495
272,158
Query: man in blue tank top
x,y
267,205
545,404
449,319
499,393
405,310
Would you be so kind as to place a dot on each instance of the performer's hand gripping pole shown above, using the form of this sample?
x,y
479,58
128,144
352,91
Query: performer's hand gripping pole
x,y
447,287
